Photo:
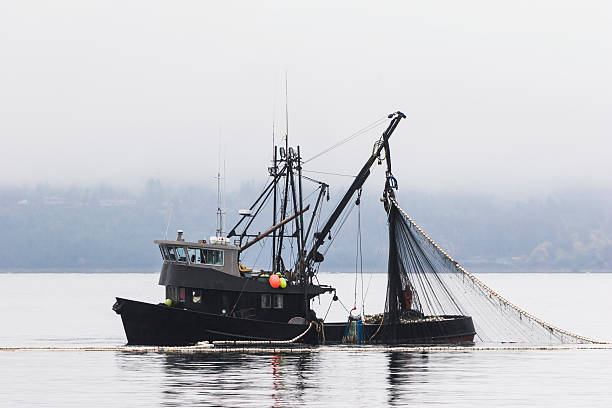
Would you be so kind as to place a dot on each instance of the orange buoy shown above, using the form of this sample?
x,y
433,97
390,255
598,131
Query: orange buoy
x,y
274,281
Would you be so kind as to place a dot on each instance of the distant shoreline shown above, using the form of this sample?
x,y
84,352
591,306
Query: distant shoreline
x,y
155,270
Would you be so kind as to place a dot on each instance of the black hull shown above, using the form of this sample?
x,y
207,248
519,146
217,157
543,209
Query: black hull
x,y
160,325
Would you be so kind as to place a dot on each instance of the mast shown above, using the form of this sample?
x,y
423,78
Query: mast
x,y
283,214
275,171
294,200
288,175
299,169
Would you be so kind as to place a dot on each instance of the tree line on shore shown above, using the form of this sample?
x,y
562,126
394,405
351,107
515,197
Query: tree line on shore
x,y
109,227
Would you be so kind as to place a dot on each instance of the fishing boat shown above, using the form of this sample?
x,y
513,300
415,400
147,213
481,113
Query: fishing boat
x,y
210,296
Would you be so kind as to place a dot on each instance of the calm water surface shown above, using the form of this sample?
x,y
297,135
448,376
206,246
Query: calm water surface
x,y
38,310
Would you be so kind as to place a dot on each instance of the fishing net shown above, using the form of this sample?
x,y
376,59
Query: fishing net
x,y
424,281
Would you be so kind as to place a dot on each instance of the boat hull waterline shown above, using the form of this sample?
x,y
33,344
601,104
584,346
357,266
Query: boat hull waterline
x,y
159,325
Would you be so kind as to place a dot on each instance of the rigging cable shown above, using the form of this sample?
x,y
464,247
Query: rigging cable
x,y
346,215
361,259
328,308
360,132
358,255
262,246
329,174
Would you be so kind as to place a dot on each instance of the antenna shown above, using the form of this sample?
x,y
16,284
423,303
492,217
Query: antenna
x,y
168,223
219,232
286,115
273,120
275,188
224,187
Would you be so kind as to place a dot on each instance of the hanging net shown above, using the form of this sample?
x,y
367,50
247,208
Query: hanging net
x,y
425,282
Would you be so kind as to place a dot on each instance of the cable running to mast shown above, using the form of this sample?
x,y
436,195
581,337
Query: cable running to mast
x,y
351,137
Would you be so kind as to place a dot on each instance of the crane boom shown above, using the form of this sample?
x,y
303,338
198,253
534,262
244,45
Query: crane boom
x,y
356,185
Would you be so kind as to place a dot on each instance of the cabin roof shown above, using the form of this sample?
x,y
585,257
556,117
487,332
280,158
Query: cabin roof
x,y
197,244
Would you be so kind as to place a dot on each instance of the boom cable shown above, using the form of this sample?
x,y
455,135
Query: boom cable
x,y
358,133
328,173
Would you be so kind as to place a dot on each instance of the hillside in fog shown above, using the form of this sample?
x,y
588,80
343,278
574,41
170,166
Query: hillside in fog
x,y
107,228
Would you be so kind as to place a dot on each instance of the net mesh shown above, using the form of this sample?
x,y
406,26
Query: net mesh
x,y
423,280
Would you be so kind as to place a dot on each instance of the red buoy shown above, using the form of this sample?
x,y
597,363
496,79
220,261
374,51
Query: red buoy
x,y
274,281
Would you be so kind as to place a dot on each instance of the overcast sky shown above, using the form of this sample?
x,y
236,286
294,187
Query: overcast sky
x,y
501,96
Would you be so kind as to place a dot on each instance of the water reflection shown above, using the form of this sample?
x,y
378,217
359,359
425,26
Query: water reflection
x,y
355,378
226,379
405,369
325,377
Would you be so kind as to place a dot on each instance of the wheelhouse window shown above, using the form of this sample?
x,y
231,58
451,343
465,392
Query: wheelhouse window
x,y
277,301
195,255
196,296
181,255
171,253
206,256
212,257
265,301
